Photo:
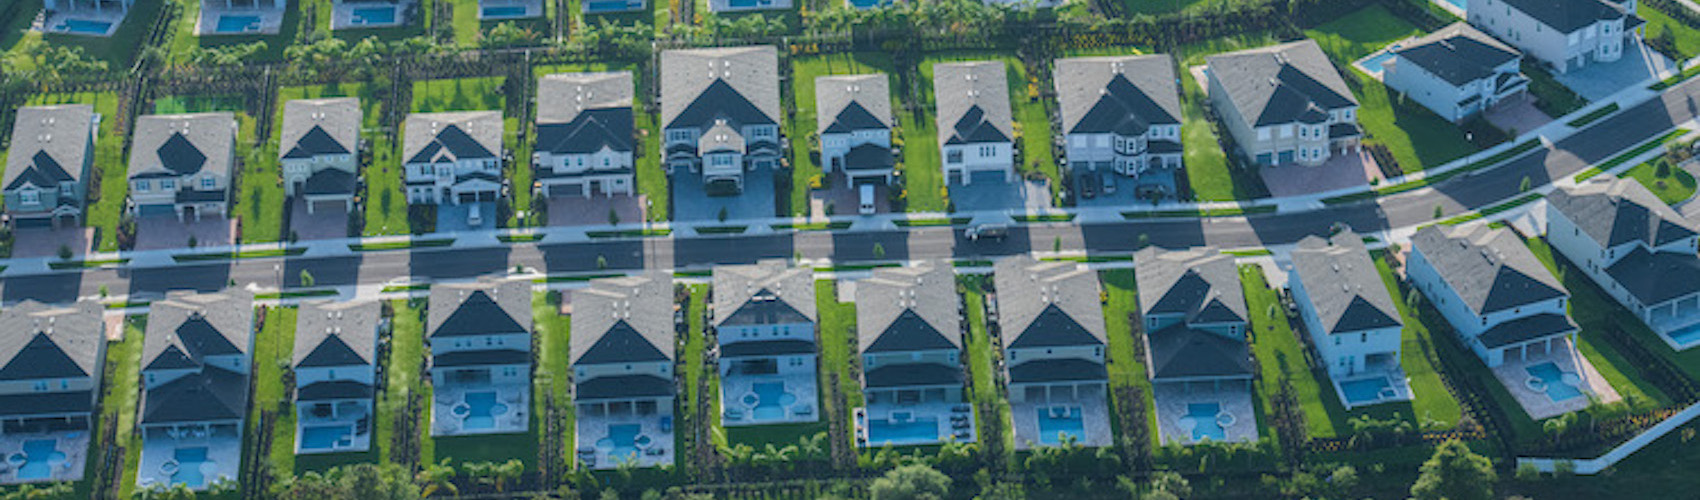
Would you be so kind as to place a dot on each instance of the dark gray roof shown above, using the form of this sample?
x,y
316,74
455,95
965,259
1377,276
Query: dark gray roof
x,y
1657,277
343,333
1121,94
623,320
581,113
481,358
622,387
909,309
869,156
49,145
481,308
847,103
767,292
973,102
1345,289
1056,370
39,341
1567,16
1281,83
1200,283
913,374
1180,352
181,145
1047,304
766,348
1615,211
1490,268
186,327
1459,53
46,403
449,137
1525,329
737,84
211,394
329,181
313,127
589,132
335,389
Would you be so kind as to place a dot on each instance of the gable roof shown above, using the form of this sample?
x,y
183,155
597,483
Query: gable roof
x,y
768,292
1614,211
336,333
1047,304
186,327
329,181
908,309
1201,284
480,308
1281,83
313,127
738,84
1458,53
1181,352
39,341
1343,285
1490,269
450,137
49,145
1566,16
973,102
846,103
580,113
182,145
1122,94
623,320
1657,277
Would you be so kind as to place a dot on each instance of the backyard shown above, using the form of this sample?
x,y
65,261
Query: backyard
x,y
406,356
554,333
1282,357
839,350
982,356
695,370
1596,313
118,402
273,348
184,41
801,122
1126,367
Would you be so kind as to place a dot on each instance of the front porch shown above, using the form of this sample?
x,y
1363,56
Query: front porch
x,y
1549,377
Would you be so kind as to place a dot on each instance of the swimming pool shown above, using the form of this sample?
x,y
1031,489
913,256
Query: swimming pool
x,y
1058,421
505,11
326,437
85,26
1686,335
770,400
1372,64
237,24
1460,4
480,411
1366,391
747,4
189,461
865,4
1552,381
1204,421
608,6
379,15
38,459
902,431
622,441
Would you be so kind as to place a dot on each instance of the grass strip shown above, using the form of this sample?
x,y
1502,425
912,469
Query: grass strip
x,y
249,254
399,245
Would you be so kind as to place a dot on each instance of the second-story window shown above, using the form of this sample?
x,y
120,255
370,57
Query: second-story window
x,y
30,196
208,182
168,184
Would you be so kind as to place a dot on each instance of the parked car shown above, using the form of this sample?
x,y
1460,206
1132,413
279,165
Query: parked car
x,y
1110,184
986,231
475,216
866,206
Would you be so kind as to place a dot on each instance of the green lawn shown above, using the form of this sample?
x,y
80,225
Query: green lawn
x,y
273,348
1126,367
259,194
386,209
1596,313
407,355
1685,38
1207,169
1431,405
1031,117
119,50
554,333
1160,7
1280,355
695,370
838,348
1551,97
184,40
481,94
650,173
981,353
1356,35
109,162
118,402
800,127
1676,185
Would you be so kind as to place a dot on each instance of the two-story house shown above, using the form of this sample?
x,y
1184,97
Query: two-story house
x,y
197,354
181,164
1120,114
909,333
335,366
853,122
1457,71
1051,321
764,322
1350,316
48,166
479,334
1567,34
1283,104
1194,317
453,158
976,127
720,113
622,367
320,151
1502,301
1639,250
584,140
51,361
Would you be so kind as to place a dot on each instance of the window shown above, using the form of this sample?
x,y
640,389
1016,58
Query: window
x,y
1336,340
1286,131
41,386
141,185
953,156
988,151
65,189
678,135
29,196
208,182
1263,134
1363,337
168,184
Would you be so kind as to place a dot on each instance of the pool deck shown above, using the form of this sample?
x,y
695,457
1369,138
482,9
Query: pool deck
x,y
733,388
224,458
517,397
342,14
74,444
271,20
594,428
1172,402
51,21
1514,376
1094,415
942,412
1400,384
533,8
348,413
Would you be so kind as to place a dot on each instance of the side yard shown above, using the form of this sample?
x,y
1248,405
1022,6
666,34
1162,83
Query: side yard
x,y
1033,124
1280,356
385,207
1125,365
273,356
258,192
109,162
982,364
838,347
551,383
800,122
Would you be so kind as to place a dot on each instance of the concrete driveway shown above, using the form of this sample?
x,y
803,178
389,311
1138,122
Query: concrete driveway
x,y
593,211
1600,80
162,232
1126,189
988,191
453,218
45,242
1352,168
322,224
846,199
692,203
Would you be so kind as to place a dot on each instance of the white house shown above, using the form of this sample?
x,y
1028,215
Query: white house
x,y
51,362
46,179
197,355
976,128
181,164
453,158
584,143
1196,352
1051,323
764,321
1567,34
1639,250
622,356
479,335
853,121
1457,71
1284,104
1121,113
1351,318
720,113
335,366
1502,301
320,151
909,334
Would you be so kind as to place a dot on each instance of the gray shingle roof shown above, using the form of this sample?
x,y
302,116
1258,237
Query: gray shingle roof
x,y
766,348
334,389
1122,94
1056,370
1459,53
1615,211
1345,289
1200,283
913,374
623,320
973,102
49,145
767,292
1180,352
1281,83
739,84
622,387
336,333
313,127
1657,277
1568,15
480,308
847,103
40,341
1047,304
328,182
1525,329
1490,268
187,326
439,137
46,403
180,145
908,308
212,394
581,113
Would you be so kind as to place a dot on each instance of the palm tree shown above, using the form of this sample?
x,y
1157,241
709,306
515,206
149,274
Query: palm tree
x,y
439,477
506,472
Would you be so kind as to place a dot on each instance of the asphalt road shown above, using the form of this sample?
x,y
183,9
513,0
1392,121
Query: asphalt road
x,y
1598,142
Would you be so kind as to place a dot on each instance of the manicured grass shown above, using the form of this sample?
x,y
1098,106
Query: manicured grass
x,y
1687,39
554,332
651,175
1596,313
273,348
1160,7
1360,33
1280,355
1502,156
399,245
259,194
480,94
1594,115
1205,212
981,365
1207,169
407,355
800,125
1491,210
1675,186
954,221
1126,367
110,166
1551,97
1431,405
1033,124
920,168
251,254
1619,160
119,50
384,206
838,349
118,402
184,41
695,370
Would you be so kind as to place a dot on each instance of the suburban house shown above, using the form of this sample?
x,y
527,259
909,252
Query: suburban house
x,y
1639,250
480,339
909,329
720,113
196,357
613,6
1284,103
764,321
335,366
1457,71
1194,319
1351,318
1051,321
51,361
622,361
1120,114
853,120
976,127
1567,34
584,140
181,164
1502,301
320,151
453,158
730,6
47,180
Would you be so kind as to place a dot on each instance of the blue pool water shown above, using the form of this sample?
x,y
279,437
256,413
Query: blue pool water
x,y
915,431
771,400
85,26
1460,4
237,24
381,15
189,462
1557,389
481,410
608,6
1052,428
1364,391
39,457
865,4
504,11
621,441
326,437
745,4
1372,65
1685,336
1203,416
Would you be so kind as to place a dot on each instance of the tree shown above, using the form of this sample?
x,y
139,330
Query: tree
x,y
879,251
64,252
1526,184
1439,211
306,278
1455,473
439,477
911,482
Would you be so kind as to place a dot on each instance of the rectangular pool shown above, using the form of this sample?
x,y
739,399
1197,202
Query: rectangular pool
x,y
237,24
84,26
505,11
326,437
38,458
609,6
1366,391
1552,381
902,432
1372,64
771,400
379,15
1685,336
480,411
748,4
1056,422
